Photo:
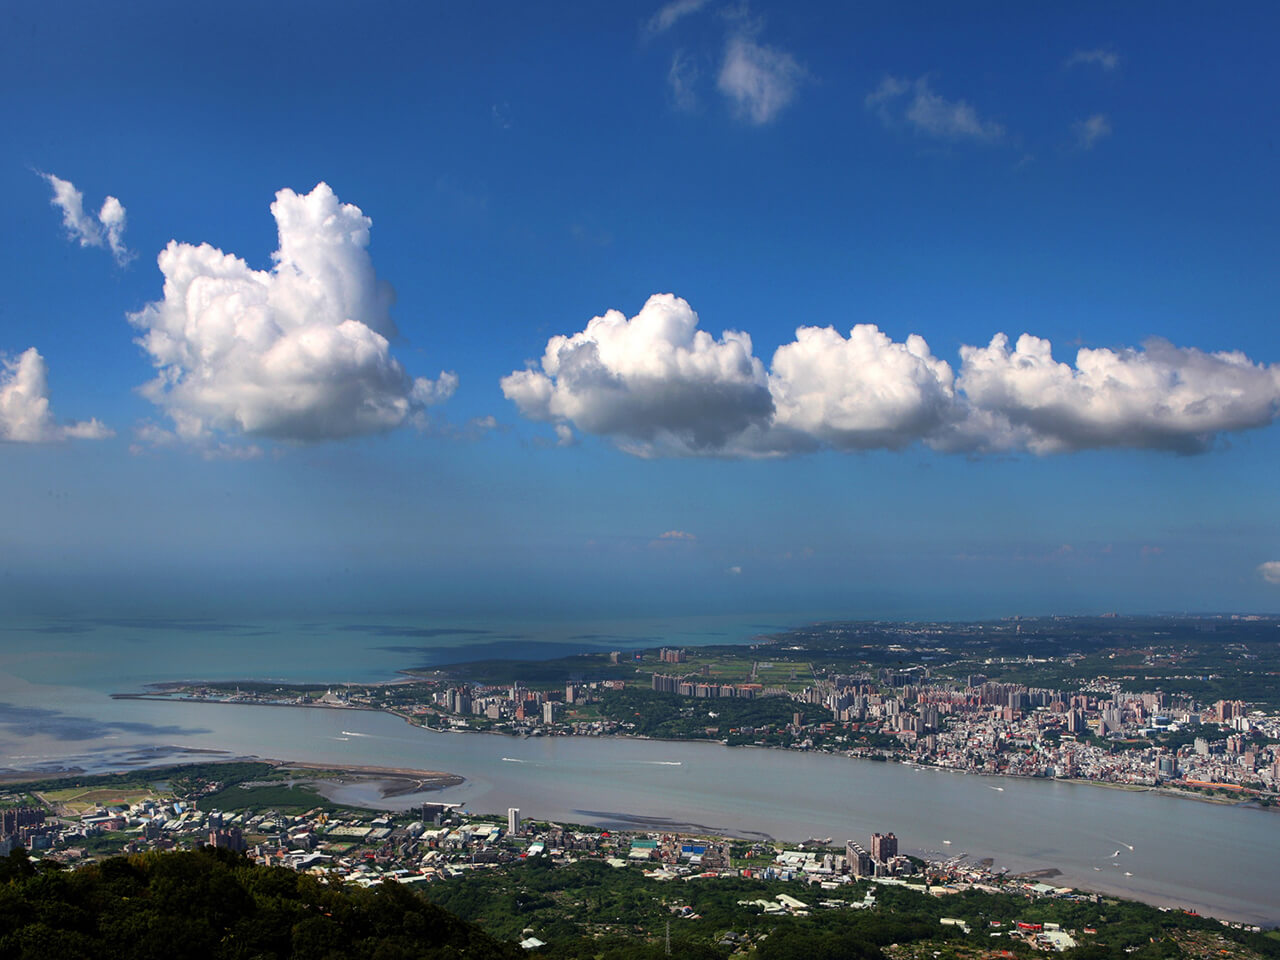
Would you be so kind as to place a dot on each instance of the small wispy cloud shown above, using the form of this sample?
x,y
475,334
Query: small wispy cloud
x,y
916,104
1102,58
760,81
1089,131
682,76
1270,571
677,535
671,13
107,229
734,571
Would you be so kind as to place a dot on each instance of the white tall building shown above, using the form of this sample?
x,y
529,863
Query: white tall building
x,y
513,819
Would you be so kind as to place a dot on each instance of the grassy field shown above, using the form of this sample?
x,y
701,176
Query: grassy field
x,y
722,666
76,801
297,797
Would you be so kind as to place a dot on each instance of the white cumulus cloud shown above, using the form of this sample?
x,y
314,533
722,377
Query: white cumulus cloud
x,y
1270,571
298,352
1159,396
759,80
654,382
25,416
107,229
657,385
863,392
916,104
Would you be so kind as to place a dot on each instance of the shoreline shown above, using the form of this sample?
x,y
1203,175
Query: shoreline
x,y
162,698
396,781
380,783
1168,791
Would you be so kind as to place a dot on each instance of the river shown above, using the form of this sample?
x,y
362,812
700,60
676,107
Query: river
x,y
1219,859
55,709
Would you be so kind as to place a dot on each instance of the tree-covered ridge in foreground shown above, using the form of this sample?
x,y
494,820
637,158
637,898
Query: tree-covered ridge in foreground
x,y
218,905
589,909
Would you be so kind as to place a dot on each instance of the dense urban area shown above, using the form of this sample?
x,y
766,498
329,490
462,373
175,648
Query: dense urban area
x,y
1118,701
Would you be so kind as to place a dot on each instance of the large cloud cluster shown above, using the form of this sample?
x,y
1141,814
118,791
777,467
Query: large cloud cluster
x,y
658,385
298,352
25,416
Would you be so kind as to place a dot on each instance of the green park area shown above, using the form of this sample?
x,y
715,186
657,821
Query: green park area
x,y
76,801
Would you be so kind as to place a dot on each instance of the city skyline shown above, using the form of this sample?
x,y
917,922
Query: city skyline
x,y
643,310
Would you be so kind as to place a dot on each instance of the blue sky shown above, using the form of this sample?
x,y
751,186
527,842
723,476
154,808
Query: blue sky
x,y
1099,179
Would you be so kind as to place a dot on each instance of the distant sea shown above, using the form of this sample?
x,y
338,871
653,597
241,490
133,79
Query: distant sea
x,y
57,674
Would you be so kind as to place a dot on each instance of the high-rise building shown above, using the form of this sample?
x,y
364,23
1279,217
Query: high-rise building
x,y
227,839
548,711
884,847
15,817
513,819
665,684
858,860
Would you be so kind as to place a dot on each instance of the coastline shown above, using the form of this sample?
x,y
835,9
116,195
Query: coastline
x,y
162,698
365,789
1169,791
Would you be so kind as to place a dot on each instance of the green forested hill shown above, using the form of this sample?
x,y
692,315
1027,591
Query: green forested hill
x,y
215,904
218,905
